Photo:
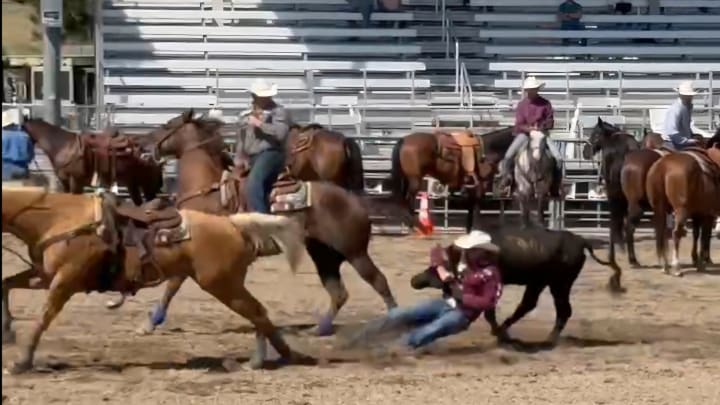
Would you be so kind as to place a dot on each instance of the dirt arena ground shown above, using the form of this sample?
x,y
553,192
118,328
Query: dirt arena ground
x,y
657,344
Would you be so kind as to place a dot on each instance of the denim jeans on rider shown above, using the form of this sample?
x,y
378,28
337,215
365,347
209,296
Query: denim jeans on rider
x,y
432,319
521,140
264,170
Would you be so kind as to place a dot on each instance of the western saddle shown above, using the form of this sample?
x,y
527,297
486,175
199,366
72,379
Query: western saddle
x,y
126,225
464,147
110,142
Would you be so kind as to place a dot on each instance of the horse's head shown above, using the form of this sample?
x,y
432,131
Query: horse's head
x,y
651,140
186,132
599,136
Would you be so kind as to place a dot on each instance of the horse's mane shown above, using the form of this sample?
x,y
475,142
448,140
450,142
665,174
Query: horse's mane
x,y
208,126
307,127
715,140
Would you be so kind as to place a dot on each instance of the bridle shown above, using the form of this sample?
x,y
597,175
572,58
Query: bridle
x,y
160,160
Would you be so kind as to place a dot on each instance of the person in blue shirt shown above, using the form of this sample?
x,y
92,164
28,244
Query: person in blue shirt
x,y
18,149
677,131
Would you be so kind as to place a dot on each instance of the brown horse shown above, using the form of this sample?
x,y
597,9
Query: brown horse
x,y
76,159
688,184
337,222
60,231
317,154
624,170
461,161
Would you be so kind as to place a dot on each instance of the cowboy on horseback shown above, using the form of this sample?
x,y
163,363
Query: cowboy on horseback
x,y
534,113
677,131
261,144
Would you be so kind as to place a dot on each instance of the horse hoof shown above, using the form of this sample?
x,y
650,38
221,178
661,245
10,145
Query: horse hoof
x,y
147,329
8,337
634,264
19,368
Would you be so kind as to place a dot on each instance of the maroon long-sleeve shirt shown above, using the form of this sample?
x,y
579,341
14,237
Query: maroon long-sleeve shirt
x,y
529,112
481,289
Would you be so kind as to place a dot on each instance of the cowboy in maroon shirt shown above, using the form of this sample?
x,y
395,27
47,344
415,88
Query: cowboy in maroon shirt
x,y
533,113
474,288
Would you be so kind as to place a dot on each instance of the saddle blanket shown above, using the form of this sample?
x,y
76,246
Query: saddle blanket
x,y
290,196
167,237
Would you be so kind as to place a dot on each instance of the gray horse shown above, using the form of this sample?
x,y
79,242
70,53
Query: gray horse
x,y
534,170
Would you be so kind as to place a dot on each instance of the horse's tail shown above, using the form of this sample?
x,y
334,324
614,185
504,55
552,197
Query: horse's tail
x,y
615,280
398,182
287,232
355,181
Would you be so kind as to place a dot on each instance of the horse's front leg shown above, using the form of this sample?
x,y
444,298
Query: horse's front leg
x,y
471,204
135,193
524,211
157,316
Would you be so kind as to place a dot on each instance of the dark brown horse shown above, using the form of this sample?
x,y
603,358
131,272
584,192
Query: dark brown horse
x,y
317,154
337,222
460,161
109,156
686,183
624,169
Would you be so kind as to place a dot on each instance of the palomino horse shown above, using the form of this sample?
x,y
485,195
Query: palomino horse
x,y
459,160
624,167
76,159
688,184
62,234
317,154
534,171
336,222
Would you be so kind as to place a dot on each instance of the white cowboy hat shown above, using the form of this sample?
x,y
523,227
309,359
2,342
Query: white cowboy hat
x,y
686,89
476,239
531,82
261,88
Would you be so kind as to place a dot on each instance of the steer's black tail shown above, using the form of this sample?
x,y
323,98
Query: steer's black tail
x,y
614,283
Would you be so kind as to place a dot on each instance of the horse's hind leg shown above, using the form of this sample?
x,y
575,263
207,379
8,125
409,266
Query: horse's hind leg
x,y
705,237
632,220
58,295
235,296
697,222
660,224
528,303
22,280
157,316
678,232
369,272
327,261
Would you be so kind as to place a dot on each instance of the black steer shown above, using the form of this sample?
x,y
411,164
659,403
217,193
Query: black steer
x,y
536,258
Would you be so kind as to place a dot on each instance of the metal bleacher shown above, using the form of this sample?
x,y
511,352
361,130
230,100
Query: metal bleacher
x,y
431,63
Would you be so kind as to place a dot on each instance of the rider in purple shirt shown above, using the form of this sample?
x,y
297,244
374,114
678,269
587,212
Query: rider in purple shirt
x,y
533,113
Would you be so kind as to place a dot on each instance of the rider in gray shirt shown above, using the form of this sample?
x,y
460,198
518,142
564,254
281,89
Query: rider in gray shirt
x,y
677,128
261,144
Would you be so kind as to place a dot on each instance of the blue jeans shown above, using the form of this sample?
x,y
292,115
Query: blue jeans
x,y
14,171
679,142
432,319
264,170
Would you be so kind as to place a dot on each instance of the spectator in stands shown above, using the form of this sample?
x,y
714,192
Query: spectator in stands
x,y
569,14
366,8
677,129
261,144
18,149
534,113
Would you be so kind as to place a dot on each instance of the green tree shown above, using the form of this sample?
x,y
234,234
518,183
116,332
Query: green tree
x,y
77,17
